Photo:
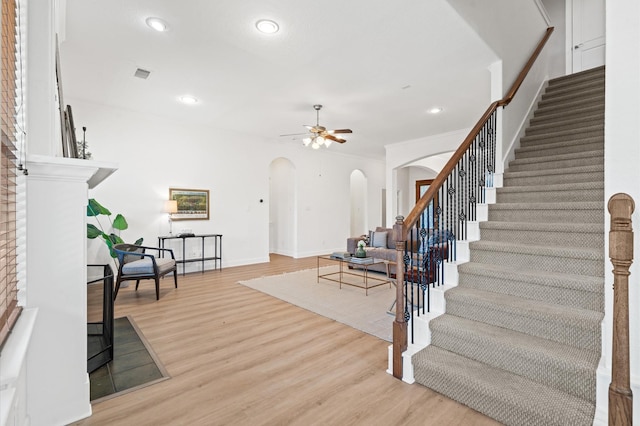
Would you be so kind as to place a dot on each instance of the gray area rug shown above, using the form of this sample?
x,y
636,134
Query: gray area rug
x,y
347,305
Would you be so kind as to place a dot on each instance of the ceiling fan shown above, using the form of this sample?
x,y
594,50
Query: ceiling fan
x,y
319,135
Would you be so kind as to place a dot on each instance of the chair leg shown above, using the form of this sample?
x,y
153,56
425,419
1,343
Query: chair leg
x,y
175,277
115,293
137,284
157,288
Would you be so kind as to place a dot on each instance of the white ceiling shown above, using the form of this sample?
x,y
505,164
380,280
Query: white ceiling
x,y
377,67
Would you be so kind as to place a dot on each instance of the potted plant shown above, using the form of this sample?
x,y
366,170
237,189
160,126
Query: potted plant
x,y
95,209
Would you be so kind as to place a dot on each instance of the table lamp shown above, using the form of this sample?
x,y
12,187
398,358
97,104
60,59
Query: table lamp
x,y
170,207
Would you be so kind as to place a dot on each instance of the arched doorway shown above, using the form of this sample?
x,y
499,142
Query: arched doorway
x,y
282,207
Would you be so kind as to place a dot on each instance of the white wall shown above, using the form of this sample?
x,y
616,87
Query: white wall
x,y
156,153
359,204
622,157
282,207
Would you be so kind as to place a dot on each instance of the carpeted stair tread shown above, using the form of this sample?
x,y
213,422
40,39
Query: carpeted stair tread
x,y
584,85
577,291
509,398
564,324
560,112
568,108
553,140
594,88
554,228
550,172
567,123
575,159
573,186
572,260
563,367
534,277
553,212
569,79
588,97
566,234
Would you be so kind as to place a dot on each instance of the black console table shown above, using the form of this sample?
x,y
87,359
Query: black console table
x,y
214,253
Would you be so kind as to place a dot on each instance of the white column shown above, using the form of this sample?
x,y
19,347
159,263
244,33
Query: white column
x,y
57,379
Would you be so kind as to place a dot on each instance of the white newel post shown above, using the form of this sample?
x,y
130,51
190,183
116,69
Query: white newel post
x,y
57,379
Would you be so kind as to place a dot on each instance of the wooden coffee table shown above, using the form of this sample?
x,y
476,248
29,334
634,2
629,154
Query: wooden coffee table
x,y
363,279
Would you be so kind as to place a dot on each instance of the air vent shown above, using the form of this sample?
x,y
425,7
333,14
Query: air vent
x,y
140,73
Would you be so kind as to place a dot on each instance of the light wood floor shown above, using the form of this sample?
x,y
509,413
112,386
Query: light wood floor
x,y
239,357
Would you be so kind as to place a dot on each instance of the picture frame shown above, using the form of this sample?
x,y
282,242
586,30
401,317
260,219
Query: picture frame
x,y
193,204
71,134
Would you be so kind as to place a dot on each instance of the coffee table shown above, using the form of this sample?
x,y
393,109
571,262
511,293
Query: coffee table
x,y
363,278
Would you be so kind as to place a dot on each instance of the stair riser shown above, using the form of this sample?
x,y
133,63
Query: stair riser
x,y
545,216
514,166
564,239
534,262
553,179
546,328
579,382
569,149
558,125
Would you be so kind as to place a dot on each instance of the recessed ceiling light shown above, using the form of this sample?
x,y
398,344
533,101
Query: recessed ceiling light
x,y
188,99
435,110
157,24
267,26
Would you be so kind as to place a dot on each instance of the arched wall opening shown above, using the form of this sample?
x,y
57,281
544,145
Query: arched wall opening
x,y
282,207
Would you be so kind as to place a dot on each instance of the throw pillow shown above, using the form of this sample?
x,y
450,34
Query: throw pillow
x,y
440,237
379,239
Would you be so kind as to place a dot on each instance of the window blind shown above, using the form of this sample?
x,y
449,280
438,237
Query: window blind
x,y
9,309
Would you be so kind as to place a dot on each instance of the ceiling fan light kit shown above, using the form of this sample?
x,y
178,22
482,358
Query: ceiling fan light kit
x,y
319,135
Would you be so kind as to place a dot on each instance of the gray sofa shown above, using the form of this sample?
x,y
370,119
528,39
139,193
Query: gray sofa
x,y
381,244
386,251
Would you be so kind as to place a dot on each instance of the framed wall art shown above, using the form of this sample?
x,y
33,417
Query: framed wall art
x,y
193,204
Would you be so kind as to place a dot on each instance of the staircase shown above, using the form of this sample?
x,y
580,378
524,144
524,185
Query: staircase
x,y
520,338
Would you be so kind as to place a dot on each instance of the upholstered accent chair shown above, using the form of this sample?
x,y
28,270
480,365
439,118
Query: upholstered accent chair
x,y
136,264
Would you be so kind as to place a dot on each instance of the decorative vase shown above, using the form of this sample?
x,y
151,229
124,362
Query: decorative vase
x,y
360,252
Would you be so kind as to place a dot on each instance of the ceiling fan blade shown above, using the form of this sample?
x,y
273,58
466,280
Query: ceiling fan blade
x,y
333,138
294,134
340,131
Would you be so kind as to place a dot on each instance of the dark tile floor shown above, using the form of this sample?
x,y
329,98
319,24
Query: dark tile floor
x,y
132,364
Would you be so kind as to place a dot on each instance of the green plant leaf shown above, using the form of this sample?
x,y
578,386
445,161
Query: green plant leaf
x,y
94,208
120,222
93,231
112,252
115,239
138,242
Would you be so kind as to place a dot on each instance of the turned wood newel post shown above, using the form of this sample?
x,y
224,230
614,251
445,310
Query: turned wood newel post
x,y
400,323
621,207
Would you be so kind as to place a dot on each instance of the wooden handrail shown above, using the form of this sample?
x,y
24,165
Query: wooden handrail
x,y
523,74
620,207
424,201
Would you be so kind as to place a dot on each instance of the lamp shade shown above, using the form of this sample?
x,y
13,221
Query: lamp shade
x,y
171,206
